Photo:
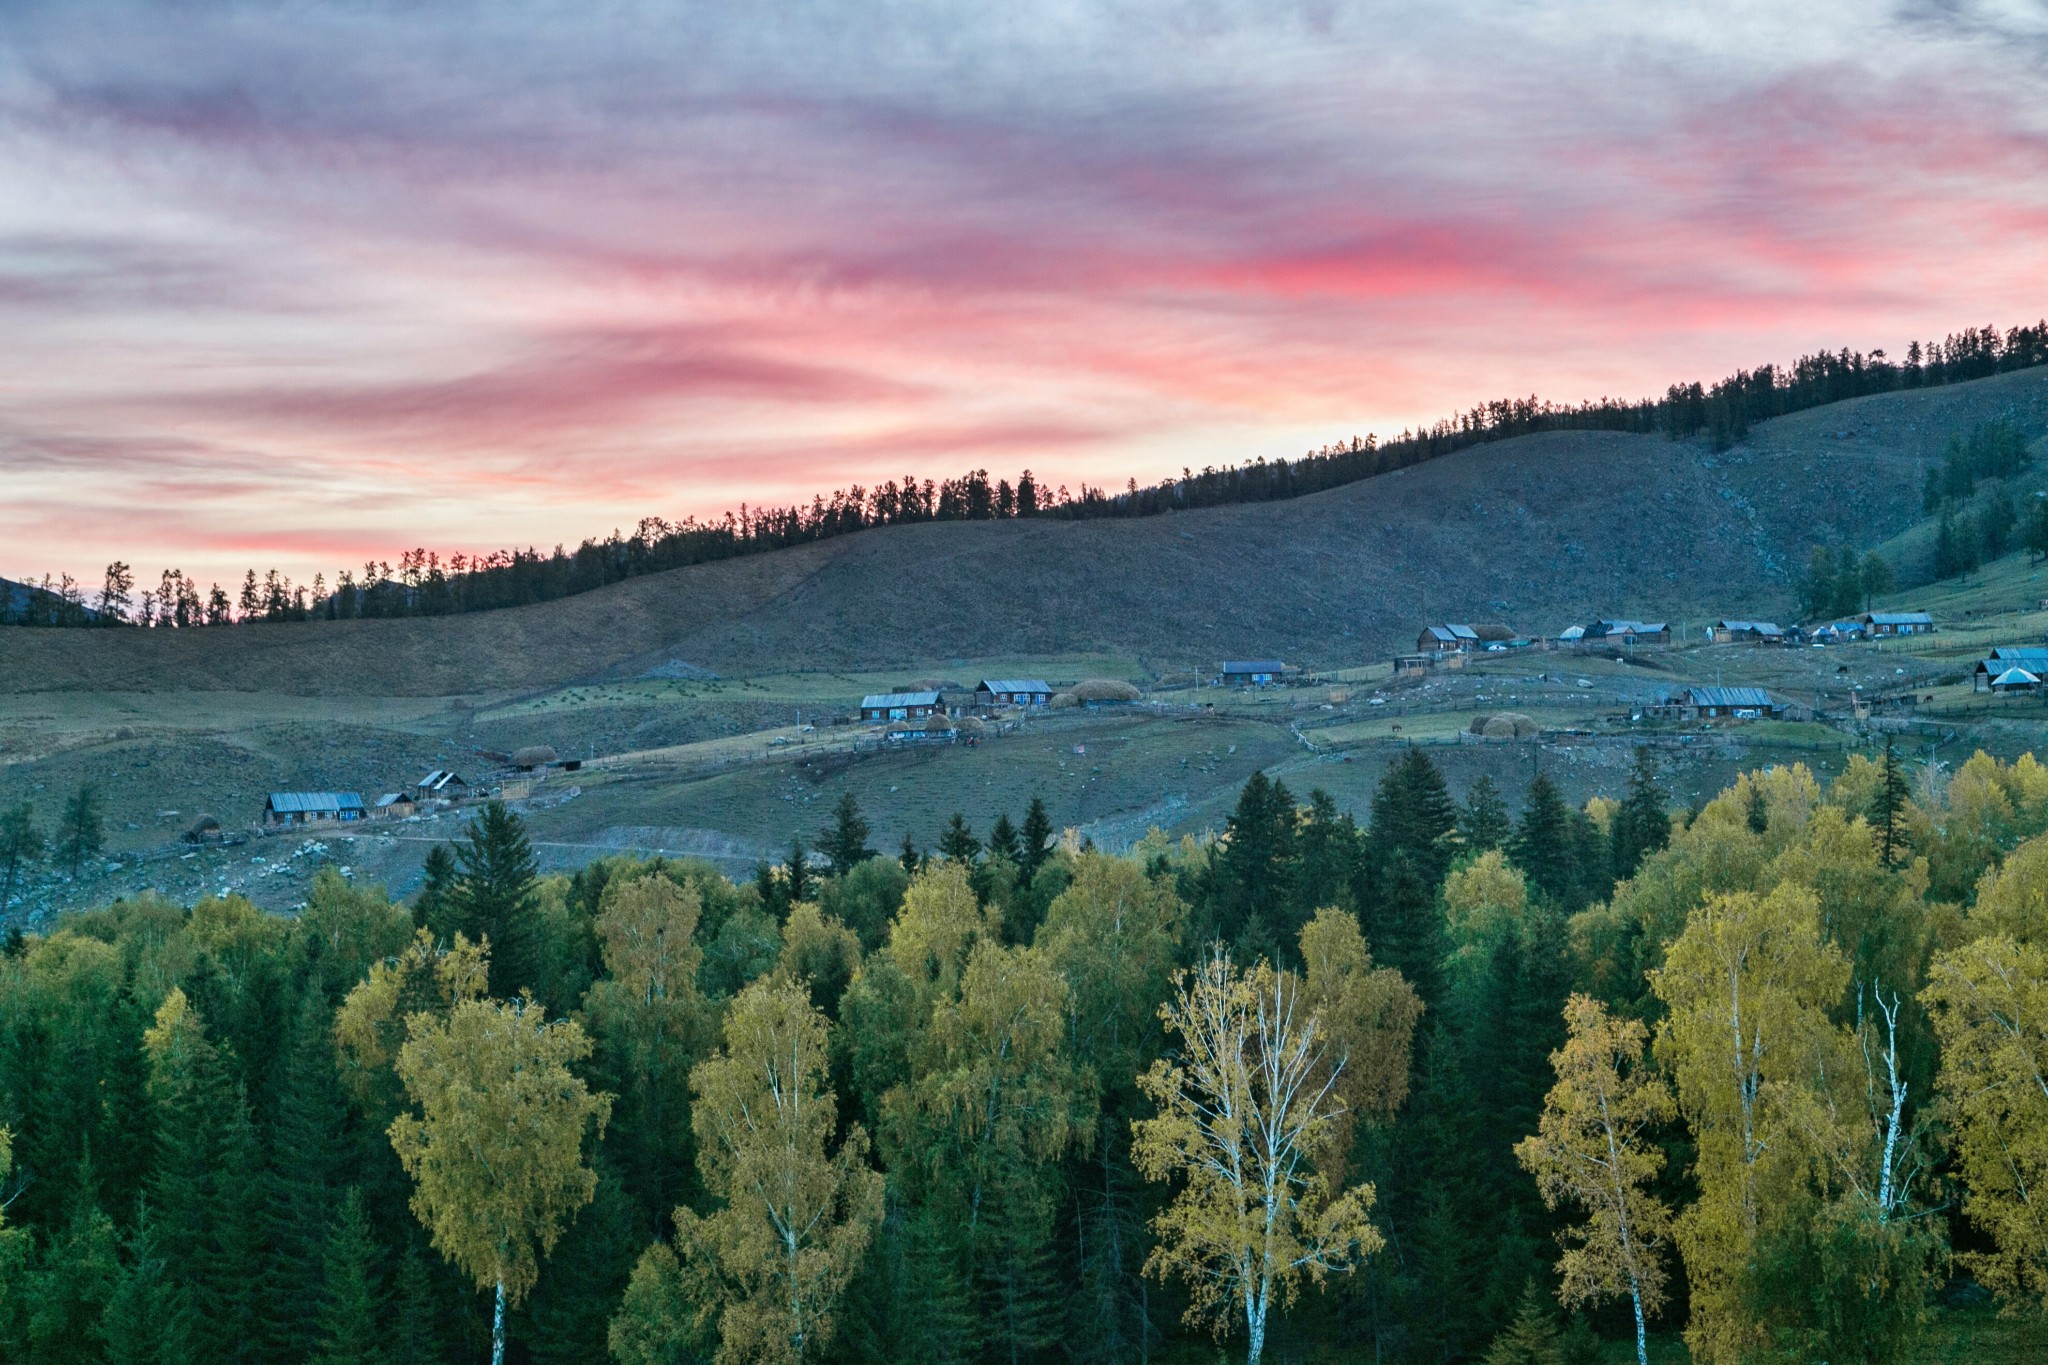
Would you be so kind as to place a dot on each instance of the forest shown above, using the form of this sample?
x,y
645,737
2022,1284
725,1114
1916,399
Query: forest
x,y
424,583
1456,1083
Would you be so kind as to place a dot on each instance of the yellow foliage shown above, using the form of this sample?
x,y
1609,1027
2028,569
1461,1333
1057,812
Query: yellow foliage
x,y
2013,899
1482,901
1369,1015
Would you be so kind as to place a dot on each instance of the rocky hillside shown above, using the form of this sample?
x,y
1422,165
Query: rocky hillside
x,y
1537,531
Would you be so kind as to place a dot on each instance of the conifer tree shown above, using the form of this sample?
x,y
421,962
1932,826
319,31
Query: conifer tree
x,y
71,1287
1532,1338
21,844
1543,844
1485,821
796,874
845,840
307,1153
415,1336
908,855
1034,840
1642,826
79,831
494,896
350,1330
434,909
1002,838
151,1317
958,842
1888,808
1254,870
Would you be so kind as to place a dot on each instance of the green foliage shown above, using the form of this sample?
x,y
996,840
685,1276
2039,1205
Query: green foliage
x,y
493,897
350,1328
845,840
21,845
80,832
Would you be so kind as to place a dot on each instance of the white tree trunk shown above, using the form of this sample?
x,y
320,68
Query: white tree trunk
x,y
498,1328
1642,1337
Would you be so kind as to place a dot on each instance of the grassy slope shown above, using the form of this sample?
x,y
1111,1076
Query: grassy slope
x,y
1537,530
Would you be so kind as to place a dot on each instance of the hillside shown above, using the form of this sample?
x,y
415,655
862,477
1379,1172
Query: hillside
x,y
1537,530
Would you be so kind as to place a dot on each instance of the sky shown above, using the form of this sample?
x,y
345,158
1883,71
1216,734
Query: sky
x,y
299,284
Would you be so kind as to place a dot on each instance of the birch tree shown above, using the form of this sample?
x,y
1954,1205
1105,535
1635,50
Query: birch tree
x,y
1989,1000
1243,1107
794,1220
1592,1149
496,1151
1749,1043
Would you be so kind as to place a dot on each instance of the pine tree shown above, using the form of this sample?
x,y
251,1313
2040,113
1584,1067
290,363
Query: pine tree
x,y
79,832
434,909
307,1152
494,896
1485,821
415,1337
958,841
908,856
796,874
1543,844
351,1320
845,841
1532,1338
72,1286
151,1319
1888,808
1002,839
1641,826
1255,871
1413,815
21,844
1035,840
1757,811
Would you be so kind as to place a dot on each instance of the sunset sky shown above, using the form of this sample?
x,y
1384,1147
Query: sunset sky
x,y
301,284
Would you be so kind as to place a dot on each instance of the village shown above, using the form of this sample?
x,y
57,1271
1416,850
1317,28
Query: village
x,y
1401,700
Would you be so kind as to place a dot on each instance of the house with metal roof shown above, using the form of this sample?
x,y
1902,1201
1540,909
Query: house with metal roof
x,y
887,706
1445,639
1252,672
1730,703
1898,622
284,809
442,784
395,806
2033,658
1013,692
1749,632
1629,634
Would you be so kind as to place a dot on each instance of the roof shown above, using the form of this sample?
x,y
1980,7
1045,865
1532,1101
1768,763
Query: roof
x,y
888,701
2015,677
1729,696
313,803
1572,633
439,778
392,799
1015,685
2011,652
1253,666
1899,618
1758,627
1626,628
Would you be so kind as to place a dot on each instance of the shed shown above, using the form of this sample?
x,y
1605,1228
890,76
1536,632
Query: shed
x,y
1013,692
887,706
1405,664
2016,679
1252,672
1736,703
442,784
396,806
311,808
